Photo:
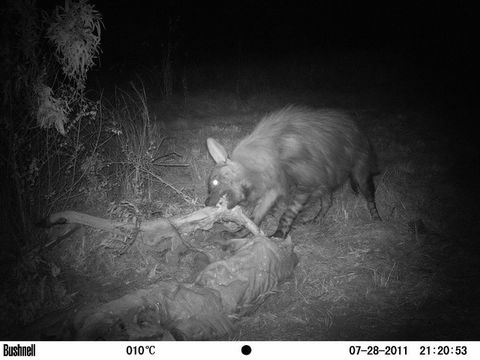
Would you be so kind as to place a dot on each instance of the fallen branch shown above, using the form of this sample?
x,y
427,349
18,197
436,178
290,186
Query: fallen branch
x,y
162,233
184,224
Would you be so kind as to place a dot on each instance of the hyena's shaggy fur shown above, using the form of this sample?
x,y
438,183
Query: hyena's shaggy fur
x,y
295,149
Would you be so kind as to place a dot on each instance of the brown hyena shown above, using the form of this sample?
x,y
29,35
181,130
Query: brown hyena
x,y
297,151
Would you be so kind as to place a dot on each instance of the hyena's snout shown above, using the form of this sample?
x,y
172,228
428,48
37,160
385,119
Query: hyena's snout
x,y
211,200
214,198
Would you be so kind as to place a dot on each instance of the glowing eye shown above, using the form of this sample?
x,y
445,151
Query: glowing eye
x,y
214,182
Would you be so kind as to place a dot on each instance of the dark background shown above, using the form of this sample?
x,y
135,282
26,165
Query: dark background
x,y
424,49
436,38
436,32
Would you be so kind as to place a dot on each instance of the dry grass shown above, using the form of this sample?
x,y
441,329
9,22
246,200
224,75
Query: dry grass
x,y
356,279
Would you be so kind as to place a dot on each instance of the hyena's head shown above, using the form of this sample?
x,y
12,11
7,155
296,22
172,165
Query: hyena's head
x,y
227,178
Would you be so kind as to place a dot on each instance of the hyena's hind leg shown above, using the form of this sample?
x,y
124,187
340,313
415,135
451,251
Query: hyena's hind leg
x,y
286,221
325,202
361,181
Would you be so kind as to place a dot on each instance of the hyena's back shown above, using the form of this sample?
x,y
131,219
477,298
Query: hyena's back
x,y
316,150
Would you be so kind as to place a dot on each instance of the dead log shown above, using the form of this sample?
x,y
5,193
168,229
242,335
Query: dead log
x,y
162,234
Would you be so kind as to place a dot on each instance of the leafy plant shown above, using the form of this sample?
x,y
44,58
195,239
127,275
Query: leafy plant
x,y
75,31
49,130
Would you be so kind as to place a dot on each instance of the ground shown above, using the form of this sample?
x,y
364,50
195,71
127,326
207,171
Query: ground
x,y
411,276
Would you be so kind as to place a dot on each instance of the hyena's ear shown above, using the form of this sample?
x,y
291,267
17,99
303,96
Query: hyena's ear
x,y
218,152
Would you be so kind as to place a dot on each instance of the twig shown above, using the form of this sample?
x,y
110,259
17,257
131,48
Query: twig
x,y
186,197
172,165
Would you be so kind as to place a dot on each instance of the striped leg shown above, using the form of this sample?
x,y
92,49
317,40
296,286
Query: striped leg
x,y
367,188
290,214
326,202
369,193
362,180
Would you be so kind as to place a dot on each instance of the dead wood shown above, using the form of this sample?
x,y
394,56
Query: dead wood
x,y
162,234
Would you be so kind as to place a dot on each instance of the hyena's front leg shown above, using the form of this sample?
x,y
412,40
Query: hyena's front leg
x,y
264,205
295,206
